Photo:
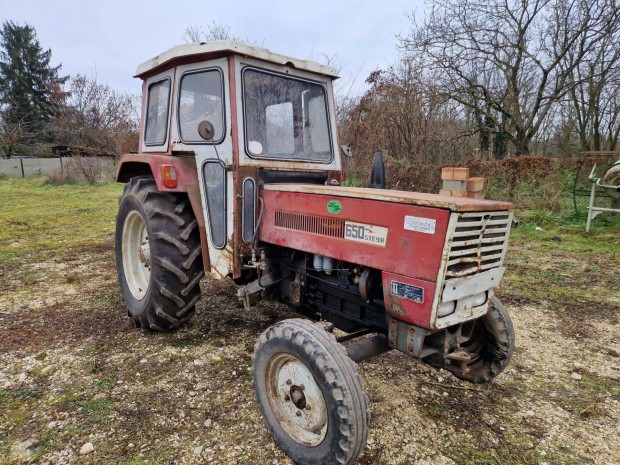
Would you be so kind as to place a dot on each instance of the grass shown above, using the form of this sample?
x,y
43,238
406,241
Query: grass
x,y
42,218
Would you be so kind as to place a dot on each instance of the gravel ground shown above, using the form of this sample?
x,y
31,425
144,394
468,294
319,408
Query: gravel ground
x,y
79,384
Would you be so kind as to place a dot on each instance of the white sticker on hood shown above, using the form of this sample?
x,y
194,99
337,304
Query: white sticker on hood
x,y
419,224
361,232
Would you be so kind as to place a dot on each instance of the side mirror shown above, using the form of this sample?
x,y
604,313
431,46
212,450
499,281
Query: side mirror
x,y
377,175
346,150
206,130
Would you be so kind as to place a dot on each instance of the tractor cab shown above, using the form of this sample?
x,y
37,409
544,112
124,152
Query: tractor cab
x,y
268,118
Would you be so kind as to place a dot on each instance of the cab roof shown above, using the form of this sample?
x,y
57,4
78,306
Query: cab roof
x,y
203,50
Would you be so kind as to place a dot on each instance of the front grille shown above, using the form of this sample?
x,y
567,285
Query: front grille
x,y
333,227
478,243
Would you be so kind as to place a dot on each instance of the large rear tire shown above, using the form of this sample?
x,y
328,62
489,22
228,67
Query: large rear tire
x,y
311,397
158,255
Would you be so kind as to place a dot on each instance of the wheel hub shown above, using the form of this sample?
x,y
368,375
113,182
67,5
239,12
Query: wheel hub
x,y
144,254
297,397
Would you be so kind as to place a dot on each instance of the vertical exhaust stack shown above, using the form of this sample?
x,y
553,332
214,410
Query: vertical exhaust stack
x,y
377,175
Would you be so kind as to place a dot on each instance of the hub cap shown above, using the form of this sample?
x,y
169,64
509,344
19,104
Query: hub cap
x,y
296,400
136,255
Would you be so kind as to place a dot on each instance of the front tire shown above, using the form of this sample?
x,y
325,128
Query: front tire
x,y
491,345
311,397
158,255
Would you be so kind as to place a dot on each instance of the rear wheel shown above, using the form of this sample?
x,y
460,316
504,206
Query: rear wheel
x,y
158,255
310,395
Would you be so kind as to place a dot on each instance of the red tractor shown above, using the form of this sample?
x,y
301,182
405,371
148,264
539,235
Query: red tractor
x,y
239,175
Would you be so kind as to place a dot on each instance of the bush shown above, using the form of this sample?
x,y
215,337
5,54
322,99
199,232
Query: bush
x,y
529,182
82,170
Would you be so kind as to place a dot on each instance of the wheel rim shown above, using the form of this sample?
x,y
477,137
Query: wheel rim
x,y
136,255
296,400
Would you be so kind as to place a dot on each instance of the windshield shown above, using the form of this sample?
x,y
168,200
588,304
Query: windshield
x,y
285,118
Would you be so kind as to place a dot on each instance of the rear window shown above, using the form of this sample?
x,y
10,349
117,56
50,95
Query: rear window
x,y
157,113
285,118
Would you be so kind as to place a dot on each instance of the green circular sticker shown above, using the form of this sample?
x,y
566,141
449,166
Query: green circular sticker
x,y
334,207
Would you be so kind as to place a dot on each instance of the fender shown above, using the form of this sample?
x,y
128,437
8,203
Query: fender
x,y
137,164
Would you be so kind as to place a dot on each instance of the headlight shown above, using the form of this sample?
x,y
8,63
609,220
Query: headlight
x,y
446,308
479,299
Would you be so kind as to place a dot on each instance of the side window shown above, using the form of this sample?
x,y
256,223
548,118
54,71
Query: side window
x,y
214,176
201,98
157,113
248,222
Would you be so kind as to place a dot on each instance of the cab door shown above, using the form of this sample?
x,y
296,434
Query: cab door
x,y
202,94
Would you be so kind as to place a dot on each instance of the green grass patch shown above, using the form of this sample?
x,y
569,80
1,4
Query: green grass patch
x,y
39,217
98,408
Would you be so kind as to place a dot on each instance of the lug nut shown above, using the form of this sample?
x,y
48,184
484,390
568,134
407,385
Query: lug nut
x,y
307,407
298,413
287,398
289,382
302,387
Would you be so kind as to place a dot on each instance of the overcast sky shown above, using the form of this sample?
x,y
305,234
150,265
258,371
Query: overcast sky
x,y
108,39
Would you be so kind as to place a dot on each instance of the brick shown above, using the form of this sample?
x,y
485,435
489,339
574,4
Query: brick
x,y
454,185
460,174
446,173
475,195
459,193
445,192
475,184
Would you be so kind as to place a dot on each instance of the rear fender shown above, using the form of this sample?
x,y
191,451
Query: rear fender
x,y
139,164
187,181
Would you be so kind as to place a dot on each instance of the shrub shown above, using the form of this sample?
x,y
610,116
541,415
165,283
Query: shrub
x,y
82,170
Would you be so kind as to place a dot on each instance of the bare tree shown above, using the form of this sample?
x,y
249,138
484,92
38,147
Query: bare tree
x,y
509,61
214,31
405,115
96,117
594,94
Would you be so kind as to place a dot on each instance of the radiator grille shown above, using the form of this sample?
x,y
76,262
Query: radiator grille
x,y
333,227
479,242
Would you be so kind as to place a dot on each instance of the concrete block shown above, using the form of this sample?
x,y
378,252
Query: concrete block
x,y
41,166
475,184
11,168
446,192
106,162
446,173
460,174
454,185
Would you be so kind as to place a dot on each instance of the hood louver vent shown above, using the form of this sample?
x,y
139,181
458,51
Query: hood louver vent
x,y
324,226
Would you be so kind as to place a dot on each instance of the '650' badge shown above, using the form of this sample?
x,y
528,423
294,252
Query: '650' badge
x,y
366,233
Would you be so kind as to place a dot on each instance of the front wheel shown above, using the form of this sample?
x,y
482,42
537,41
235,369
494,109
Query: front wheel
x,y
490,345
158,255
311,397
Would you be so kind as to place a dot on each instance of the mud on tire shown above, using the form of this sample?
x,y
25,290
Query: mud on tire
x,y
342,432
171,233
